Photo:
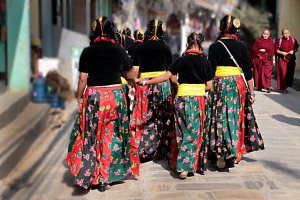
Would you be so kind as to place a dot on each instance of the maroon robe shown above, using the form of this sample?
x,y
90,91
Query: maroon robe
x,y
262,62
286,64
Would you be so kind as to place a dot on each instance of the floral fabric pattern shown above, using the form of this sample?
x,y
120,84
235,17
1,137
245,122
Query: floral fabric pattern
x,y
226,123
189,141
150,118
104,151
253,137
75,132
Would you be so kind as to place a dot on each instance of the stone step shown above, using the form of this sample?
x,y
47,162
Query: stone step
x,y
17,136
12,104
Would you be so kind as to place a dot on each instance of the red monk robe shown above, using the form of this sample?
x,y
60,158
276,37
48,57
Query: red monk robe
x,y
262,62
286,64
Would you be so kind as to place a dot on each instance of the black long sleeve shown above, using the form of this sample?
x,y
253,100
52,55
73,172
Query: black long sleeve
x,y
218,56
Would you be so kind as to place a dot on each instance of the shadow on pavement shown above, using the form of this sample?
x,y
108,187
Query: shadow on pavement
x,y
289,100
289,120
282,168
23,143
23,181
248,159
164,165
68,179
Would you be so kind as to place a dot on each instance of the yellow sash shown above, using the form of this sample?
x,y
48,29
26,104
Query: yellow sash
x,y
227,71
191,90
105,86
151,74
123,80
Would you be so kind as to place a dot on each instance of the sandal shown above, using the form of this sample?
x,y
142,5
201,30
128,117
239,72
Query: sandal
x,y
183,175
270,90
221,162
284,91
107,187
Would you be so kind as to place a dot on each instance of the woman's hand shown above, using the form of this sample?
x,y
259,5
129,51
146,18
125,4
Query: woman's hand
x,y
252,98
284,53
137,80
142,82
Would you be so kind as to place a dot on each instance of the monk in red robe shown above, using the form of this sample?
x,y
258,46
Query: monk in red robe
x,y
286,47
263,59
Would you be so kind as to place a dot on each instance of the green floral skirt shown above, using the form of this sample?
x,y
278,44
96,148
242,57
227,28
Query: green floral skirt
x,y
189,141
226,122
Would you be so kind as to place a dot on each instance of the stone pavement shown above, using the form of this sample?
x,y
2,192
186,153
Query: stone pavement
x,y
272,174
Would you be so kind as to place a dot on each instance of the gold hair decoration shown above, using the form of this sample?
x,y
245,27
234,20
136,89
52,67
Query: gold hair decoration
x,y
122,38
229,18
236,23
101,28
155,25
120,34
228,23
94,25
163,27
140,31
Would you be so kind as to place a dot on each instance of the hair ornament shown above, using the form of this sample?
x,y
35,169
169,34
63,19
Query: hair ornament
x,y
163,27
155,31
94,25
101,28
140,31
236,23
195,38
228,22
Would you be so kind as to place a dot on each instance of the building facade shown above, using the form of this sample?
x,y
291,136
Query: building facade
x,y
288,17
26,22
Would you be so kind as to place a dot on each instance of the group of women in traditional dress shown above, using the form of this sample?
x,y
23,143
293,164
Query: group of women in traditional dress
x,y
189,111
263,59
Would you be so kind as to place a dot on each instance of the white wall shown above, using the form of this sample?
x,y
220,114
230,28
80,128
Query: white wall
x,y
64,43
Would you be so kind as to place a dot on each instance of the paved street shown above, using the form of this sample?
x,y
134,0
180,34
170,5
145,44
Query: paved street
x,y
273,173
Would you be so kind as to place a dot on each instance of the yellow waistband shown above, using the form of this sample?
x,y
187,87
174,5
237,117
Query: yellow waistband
x,y
227,71
106,86
123,80
191,90
152,74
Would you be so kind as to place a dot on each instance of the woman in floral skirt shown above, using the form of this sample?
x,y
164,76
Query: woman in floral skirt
x,y
104,150
226,102
188,144
153,103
